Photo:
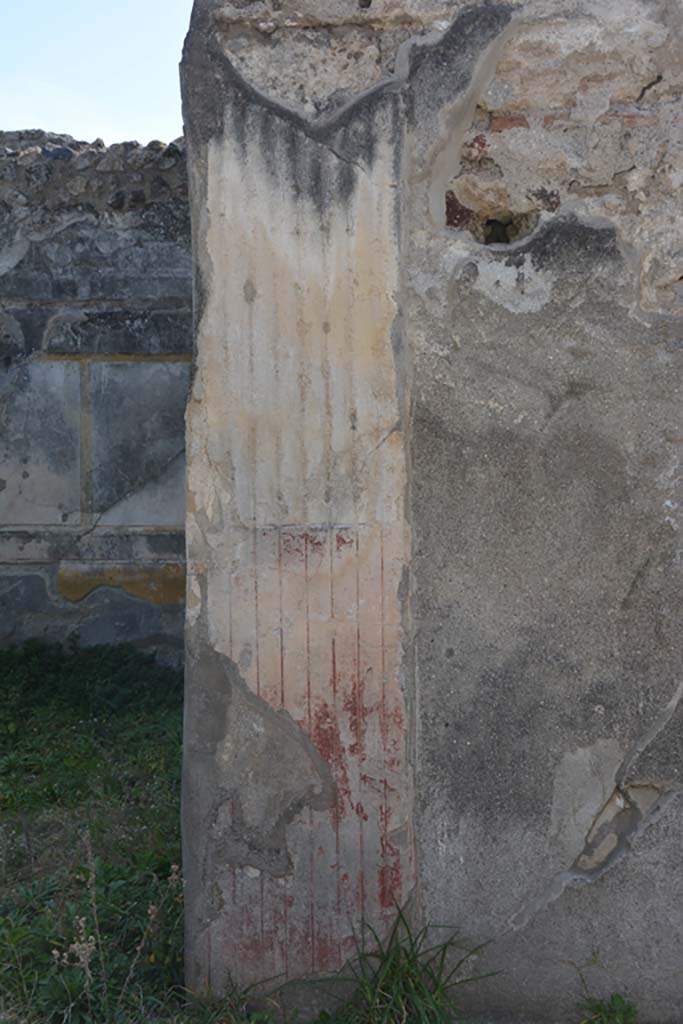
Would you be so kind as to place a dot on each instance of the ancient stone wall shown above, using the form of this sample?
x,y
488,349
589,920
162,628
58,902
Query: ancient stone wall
x,y
95,359
545,314
452,335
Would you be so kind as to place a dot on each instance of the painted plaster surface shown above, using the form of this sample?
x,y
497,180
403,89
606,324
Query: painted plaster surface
x,y
450,344
297,544
95,349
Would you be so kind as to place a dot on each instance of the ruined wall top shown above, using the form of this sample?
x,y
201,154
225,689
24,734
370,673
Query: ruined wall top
x,y
56,170
316,55
580,108
95,350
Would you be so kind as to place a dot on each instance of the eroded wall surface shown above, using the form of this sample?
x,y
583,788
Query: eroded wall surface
x,y
452,333
96,348
545,322
298,790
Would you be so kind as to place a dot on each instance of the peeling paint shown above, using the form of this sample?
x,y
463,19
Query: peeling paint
x,y
630,808
521,288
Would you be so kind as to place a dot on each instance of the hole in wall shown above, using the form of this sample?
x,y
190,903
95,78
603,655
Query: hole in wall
x,y
495,232
364,4
478,199
505,229
502,229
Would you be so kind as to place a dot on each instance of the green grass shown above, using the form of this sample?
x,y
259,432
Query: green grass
x,y
407,977
90,897
91,907
90,747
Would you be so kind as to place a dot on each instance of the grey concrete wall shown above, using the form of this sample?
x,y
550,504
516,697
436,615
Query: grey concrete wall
x,y
95,359
537,160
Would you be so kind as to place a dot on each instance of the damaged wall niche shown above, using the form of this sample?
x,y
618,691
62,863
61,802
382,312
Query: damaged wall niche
x,y
531,272
95,350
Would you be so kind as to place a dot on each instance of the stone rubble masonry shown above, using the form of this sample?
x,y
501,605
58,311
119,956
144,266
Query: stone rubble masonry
x,y
433,624
95,361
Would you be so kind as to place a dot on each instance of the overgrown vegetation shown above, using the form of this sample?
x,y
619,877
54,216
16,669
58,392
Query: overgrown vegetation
x,y
90,893
90,890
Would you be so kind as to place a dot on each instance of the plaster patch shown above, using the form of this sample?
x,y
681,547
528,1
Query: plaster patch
x,y
520,288
584,780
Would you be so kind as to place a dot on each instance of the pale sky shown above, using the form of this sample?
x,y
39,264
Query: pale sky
x,y
93,68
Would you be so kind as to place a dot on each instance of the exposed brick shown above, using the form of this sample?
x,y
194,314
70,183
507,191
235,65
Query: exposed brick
x,y
501,122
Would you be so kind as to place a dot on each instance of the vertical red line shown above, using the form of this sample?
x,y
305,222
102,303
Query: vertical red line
x,y
256,615
311,846
252,428
337,843
361,847
340,796
282,632
332,539
233,871
360,682
384,839
359,730
384,731
308,639
334,673
382,642
258,693
285,894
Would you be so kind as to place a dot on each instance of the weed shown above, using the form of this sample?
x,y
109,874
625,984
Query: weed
x,y
404,979
615,1010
